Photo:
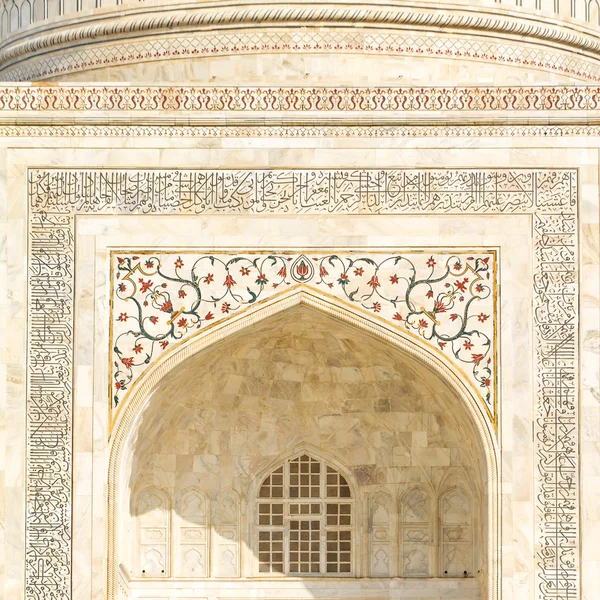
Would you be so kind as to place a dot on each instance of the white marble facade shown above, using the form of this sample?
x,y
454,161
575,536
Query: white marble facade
x,y
97,234
306,445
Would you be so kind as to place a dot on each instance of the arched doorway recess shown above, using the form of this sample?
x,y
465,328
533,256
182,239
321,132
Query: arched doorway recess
x,y
311,381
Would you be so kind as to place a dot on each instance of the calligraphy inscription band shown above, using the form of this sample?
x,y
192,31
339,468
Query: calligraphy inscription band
x,y
57,196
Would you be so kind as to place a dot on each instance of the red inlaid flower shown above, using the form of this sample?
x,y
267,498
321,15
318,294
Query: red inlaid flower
x,y
477,358
482,318
245,271
423,323
225,307
209,278
229,281
122,317
302,269
374,282
178,263
467,345
431,262
394,278
146,285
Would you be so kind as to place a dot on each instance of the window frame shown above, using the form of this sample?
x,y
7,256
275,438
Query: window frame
x,y
287,517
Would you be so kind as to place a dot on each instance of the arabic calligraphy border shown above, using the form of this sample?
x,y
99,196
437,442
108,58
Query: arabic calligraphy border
x,y
49,405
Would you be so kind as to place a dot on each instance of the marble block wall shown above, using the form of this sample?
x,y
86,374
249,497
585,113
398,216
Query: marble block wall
x,y
302,382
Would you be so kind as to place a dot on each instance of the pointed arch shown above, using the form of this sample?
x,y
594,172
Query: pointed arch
x,y
129,420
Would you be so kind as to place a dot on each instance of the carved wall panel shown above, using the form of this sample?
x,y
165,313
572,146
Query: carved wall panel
x,y
381,534
153,518
226,545
456,533
416,533
192,520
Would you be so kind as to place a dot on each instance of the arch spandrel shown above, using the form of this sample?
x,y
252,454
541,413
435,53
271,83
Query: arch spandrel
x,y
444,300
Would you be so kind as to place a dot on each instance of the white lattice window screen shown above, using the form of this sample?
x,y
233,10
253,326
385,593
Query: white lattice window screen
x,y
456,534
193,534
305,520
153,510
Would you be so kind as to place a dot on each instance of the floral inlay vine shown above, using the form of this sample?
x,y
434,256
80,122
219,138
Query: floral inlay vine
x,y
445,298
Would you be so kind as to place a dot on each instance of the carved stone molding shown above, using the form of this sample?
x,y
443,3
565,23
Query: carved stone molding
x,y
84,101
315,131
324,41
152,21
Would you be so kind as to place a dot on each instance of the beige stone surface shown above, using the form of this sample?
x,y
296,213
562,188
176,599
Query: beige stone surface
x,y
90,432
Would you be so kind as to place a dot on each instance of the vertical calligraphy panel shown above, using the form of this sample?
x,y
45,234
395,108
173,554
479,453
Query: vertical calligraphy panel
x,y
49,406
556,423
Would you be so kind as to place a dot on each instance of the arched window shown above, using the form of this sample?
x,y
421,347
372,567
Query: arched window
x,y
305,520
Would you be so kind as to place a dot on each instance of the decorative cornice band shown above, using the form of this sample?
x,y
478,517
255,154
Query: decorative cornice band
x,y
300,131
186,100
221,16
